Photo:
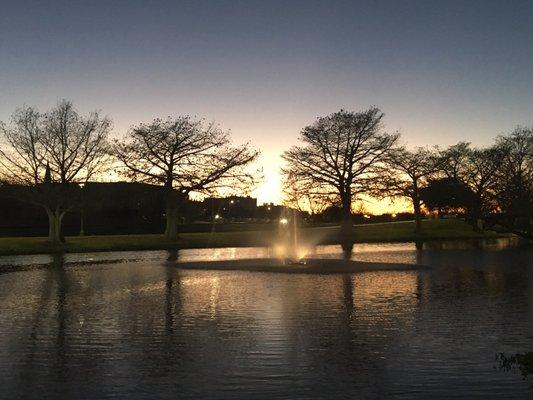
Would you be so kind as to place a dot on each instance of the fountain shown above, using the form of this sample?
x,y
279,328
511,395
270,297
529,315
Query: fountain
x,y
292,253
291,247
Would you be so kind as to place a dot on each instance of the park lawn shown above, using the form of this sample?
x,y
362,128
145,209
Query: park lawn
x,y
380,232
80,244
432,229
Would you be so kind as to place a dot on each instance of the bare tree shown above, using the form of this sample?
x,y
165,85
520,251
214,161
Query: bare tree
x,y
481,177
45,157
477,168
404,174
339,155
514,184
184,155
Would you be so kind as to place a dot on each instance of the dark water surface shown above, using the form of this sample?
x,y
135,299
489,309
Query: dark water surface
x,y
88,328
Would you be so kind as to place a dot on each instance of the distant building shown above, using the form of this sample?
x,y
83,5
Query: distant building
x,y
270,211
230,207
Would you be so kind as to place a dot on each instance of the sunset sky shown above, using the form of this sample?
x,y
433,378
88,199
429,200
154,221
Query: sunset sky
x,y
265,69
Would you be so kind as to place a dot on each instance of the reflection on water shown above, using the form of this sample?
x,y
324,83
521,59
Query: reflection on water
x,y
150,330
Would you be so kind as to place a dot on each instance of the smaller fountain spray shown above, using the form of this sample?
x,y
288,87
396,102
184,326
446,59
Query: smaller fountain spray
x,y
289,240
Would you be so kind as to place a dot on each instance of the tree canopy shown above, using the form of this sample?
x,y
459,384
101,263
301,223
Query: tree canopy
x,y
339,153
45,156
184,155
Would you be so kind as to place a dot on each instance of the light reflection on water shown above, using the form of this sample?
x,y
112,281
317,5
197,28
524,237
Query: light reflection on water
x,y
373,252
150,330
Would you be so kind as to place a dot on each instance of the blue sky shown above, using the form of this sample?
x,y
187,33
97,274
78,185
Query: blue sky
x,y
441,71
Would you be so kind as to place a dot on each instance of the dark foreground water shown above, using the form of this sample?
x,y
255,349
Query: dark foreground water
x,y
145,329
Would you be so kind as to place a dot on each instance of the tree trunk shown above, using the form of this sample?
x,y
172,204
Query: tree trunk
x,y
346,223
171,209
477,223
418,216
55,217
416,207
171,229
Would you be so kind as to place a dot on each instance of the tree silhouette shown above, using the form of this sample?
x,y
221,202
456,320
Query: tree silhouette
x,y
184,155
447,195
45,157
514,183
405,173
479,170
481,177
339,156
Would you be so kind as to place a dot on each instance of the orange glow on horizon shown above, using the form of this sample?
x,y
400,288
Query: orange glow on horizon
x,y
270,190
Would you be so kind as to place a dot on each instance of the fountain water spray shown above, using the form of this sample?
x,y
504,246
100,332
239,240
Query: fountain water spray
x,y
289,247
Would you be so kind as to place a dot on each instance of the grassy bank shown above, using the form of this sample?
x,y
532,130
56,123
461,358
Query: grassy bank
x,y
382,232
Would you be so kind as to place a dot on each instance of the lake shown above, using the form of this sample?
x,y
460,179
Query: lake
x,y
134,325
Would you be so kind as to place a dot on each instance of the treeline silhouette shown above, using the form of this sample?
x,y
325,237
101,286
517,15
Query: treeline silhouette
x,y
133,208
347,155
107,208
51,161
117,208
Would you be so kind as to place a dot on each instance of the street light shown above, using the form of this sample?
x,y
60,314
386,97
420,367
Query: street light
x,y
283,221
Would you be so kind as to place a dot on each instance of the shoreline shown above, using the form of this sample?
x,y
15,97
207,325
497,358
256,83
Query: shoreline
x,y
42,247
395,232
